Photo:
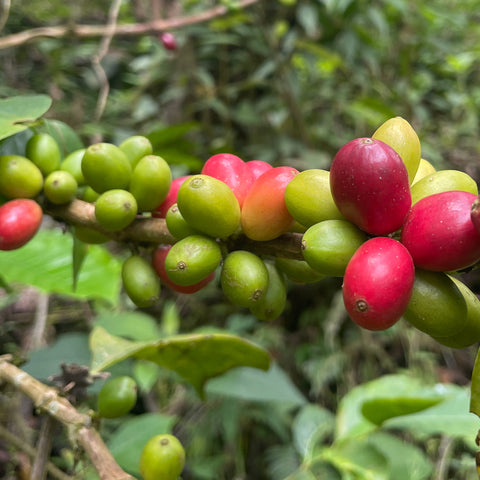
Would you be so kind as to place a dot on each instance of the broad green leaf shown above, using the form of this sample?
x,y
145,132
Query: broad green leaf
x,y
351,421
79,253
46,263
127,442
252,384
450,417
378,410
358,457
133,325
170,135
195,357
397,451
68,348
146,374
16,112
311,425
66,137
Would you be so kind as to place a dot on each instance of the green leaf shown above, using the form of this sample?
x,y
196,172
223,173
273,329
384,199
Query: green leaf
x,y
380,409
46,263
251,384
66,137
16,112
170,135
68,348
351,421
133,325
396,450
195,357
311,425
450,417
79,251
127,442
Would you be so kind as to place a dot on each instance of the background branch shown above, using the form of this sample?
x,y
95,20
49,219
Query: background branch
x,y
156,26
47,400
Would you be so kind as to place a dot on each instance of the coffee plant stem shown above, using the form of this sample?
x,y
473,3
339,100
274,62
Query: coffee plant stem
x,y
47,400
133,29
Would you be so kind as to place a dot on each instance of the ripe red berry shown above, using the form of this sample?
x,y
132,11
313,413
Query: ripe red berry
x,y
378,283
19,221
370,185
169,41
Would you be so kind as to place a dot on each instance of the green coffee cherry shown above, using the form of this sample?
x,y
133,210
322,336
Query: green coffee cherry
x,y
72,163
140,281
162,458
90,236
150,182
60,187
43,150
19,177
192,259
244,278
106,167
135,148
177,225
115,209
298,271
117,397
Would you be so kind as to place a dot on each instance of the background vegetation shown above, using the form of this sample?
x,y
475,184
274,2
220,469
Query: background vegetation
x,y
288,82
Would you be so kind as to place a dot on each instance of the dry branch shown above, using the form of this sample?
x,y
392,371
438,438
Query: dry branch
x,y
47,400
153,27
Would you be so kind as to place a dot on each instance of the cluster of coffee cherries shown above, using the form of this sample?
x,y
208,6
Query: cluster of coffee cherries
x,y
382,218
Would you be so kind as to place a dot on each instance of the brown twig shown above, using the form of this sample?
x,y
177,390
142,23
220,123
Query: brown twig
x,y
47,400
133,29
154,231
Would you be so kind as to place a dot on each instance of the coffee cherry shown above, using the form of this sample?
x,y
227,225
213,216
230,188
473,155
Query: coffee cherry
x,y
43,150
88,194
106,167
117,397
308,198
73,165
264,213
298,271
20,220
378,283
140,281
244,278
158,262
162,458
231,170
370,185
170,199
150,182
19,177
328,246
168,40
443,181
273,301
258,167
135,148
437,306
115,209
424,168
400,135
209,206
439,234
177,225
192,259
60,187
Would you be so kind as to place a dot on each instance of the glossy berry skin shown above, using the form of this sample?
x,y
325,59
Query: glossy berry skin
x,y
439,233
170,199
378,283
264,213
158,262
258,167
370,186
231,170
117,397
20,220
169,41
162,458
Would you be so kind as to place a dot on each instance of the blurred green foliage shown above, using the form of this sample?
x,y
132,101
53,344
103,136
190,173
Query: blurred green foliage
x,y
288,82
